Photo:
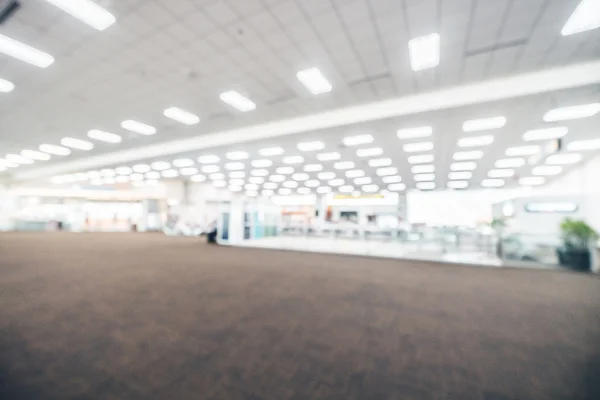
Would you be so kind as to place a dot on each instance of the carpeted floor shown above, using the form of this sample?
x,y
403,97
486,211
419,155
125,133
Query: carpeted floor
x,y
135,316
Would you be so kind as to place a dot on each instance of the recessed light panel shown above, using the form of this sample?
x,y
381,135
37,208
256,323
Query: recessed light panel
x,y
386,171
237,155
468,155
510,163
372,152
209,169
6,86
208,159
413,133
163,165
35,155
547,170
380,162
311,146
476,141
314,81
417,147
23,52
271,151
329,156
392,179
457,184
17,159
103,136
424,52
421,159
326,175
365,180
545,134
425,185
424,177
87,11
573,112
422,169
262,163
563,159
237,101
355,173
463,166
583,145
179,115
313,167
484,124
523,151
138,127
501,173
396,187
293,160
77,144
460,175
234,166
285,170
183,162
357,140
344,165
585,17
492,183
532,181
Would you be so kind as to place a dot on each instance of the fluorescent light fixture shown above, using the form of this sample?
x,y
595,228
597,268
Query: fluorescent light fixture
x,y
326,175
545,134
17,159
532,181
23,52
476,141
80,176
108,172
324,189
492,183
372,152
380,162
304,190
290,184
370,188
346,189
152,175
547,170
271,151
208,159
420,159
235,188
357,140
285,170
363,181
86,11
355,173
219,184
386,171
413,133
262,163
6,86
124,171
313,167
259,172
312,183
277,178
329,156
256,179
501,173
484,124
573,112
310,146
424,177
510,163
103,136
188,171
77,144
142,168
35,155
182,116
300,177
336,182
563,159
284,191
183,162
314,81
234,166
293,160
136,177
267,193
583,145
422,169
251,193
523,151
237,155
585,17
457,184
236,182
170,173
209,169
392,179
461,175
424,52
93,174
162,165
468,155
463,166
198,178
417,147
425,185
218,176
251,186
237,174
270,185
237,101
344,165
396,187
138,127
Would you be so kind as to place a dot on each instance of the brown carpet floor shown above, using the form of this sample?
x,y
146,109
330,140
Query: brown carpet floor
x,y
143,316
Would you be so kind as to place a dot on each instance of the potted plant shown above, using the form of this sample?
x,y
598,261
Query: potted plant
x,y
575,252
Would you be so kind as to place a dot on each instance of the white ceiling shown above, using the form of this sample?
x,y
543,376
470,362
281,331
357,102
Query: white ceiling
x,y
163,53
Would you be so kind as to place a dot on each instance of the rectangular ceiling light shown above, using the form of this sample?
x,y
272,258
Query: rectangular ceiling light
x,y
103,136
563,159
237,101
417,147
425,185
313,167
208,159
372,152
211,169
311,146
573,112
293,160
523,151
468,155
463,166
424,52
424,177
21,51
380,162
87,11
363,180
314,81
138,127
421,159
582,145
326,175
413,133
234,166
183,162
422,169
17,159
285,170
396,187
547,170
35,155
343,165
355,173
532,181
545,134
387,171
77,144
6,86
510,163
585,17
237,155
357,140
492,183
392,179
501,173
182,116
259,172
262,163
461,175
271,151
457,184
55,150
476,141
329,156
484,124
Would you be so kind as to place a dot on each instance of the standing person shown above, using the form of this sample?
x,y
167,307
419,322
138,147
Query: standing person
x,y
211,232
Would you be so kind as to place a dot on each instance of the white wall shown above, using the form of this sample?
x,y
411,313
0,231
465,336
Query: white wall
x,y
584,179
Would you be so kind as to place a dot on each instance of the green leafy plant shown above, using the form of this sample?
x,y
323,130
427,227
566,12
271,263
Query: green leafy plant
x,y
577,234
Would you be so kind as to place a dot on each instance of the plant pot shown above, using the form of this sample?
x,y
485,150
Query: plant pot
x,y
578,260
